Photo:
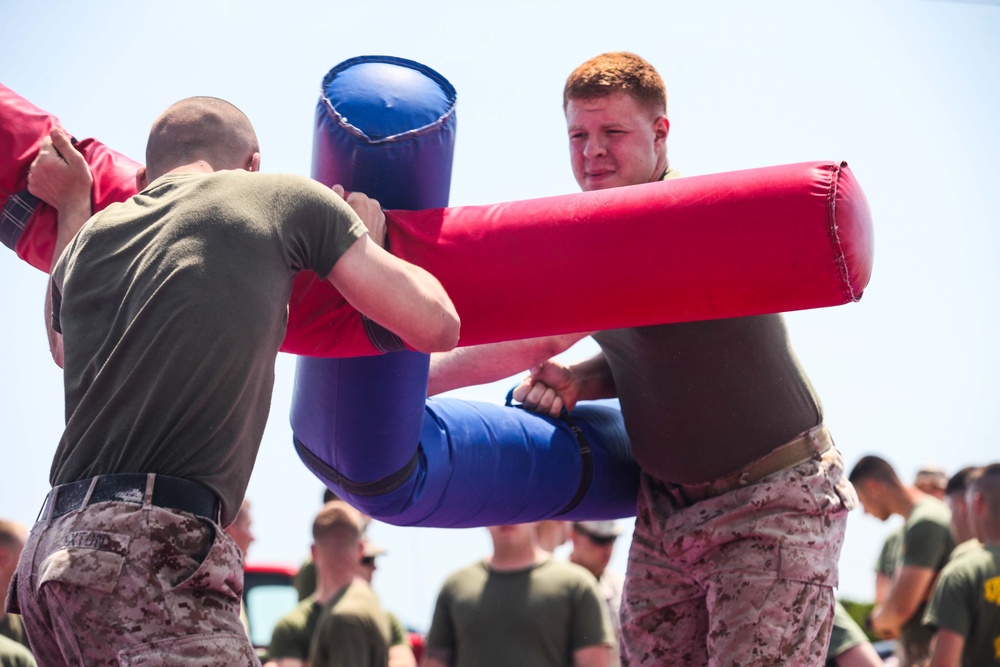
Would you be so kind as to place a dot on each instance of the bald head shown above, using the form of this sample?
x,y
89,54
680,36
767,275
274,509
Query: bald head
x,y
200,129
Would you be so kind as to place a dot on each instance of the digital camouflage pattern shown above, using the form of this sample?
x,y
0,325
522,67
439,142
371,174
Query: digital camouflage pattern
x,y
745,578
133,585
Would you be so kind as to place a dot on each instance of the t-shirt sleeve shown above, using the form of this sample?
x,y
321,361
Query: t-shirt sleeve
x,y
846,633
926,544
397,633
286,642
952,602
319,226
441,634
591,625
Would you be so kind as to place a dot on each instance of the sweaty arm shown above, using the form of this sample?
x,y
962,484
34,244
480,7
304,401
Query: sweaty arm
x,y
478,364
60,177
946,648
908,590
400,296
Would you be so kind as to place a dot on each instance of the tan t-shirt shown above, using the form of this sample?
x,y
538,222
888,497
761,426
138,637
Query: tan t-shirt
x,y
172,307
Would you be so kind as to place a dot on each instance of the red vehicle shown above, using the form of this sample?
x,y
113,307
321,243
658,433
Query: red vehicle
x,y
268,594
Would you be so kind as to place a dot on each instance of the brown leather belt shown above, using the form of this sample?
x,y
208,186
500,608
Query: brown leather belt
x,y
813,443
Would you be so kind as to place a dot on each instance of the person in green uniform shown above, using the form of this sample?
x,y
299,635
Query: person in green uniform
x,y
341,623
926,545
965,609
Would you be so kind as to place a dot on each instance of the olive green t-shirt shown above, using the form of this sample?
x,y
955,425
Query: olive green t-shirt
x,y
846,635
292,635
172,307
352,630
967,601
927,542
535,617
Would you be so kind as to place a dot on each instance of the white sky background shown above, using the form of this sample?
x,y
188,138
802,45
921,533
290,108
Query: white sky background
x,y
906,91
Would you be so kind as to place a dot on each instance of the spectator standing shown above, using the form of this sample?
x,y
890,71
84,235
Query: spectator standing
x,y
965,609
12,538
519,607
593,545
956,497
341,623
926,544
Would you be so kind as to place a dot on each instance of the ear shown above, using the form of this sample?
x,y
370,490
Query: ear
x,y
661,127
140,179
254,164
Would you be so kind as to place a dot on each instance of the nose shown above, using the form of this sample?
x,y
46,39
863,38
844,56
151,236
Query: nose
x,y
594,147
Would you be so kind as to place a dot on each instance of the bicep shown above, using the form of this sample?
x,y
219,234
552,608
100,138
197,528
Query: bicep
x,y
398,295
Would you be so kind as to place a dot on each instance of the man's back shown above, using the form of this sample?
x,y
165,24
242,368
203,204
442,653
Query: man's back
x,y
531,617
172,311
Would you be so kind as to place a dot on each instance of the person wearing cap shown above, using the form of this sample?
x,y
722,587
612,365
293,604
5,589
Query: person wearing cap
x,y
401,652
593,544
932,480
367,566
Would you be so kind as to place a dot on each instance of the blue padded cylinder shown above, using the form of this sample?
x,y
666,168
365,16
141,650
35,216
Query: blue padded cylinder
x,y
386,126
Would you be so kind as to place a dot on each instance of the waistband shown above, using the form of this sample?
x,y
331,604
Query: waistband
x,y
136,488
811,444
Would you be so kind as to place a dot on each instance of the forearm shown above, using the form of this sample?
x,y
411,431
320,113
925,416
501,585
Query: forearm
x,y
479,364
593,379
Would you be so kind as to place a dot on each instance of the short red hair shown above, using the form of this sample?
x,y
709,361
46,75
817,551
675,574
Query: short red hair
x,y
618,71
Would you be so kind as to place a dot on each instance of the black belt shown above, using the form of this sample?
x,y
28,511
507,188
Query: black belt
x,y
168,492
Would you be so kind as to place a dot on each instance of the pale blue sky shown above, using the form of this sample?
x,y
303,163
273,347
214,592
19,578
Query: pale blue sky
x,y
905,91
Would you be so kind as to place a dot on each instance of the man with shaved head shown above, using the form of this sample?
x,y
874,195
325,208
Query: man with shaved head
x,y
167,312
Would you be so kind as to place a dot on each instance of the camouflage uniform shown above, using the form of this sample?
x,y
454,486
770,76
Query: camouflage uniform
x,y
117,583
744,578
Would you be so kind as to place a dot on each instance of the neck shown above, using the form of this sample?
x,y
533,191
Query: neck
x,y
905,499
198,166
331,581
520,559
597,574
